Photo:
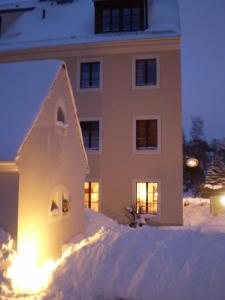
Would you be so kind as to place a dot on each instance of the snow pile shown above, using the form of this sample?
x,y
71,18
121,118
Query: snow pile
x,y
112,261
146,263
6,256
197,216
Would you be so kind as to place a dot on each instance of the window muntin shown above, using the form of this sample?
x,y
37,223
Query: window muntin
x,y
90,132
146,72
147,134
121,19
147,195
90,75
91,195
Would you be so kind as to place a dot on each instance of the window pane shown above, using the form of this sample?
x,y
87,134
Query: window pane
x,y
140,72
151,72
152,197
136,18
141,197
141,134
126,17
115,19
106,20
152,134
85,75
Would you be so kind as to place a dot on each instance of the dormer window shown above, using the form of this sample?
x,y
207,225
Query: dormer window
x,y
117,16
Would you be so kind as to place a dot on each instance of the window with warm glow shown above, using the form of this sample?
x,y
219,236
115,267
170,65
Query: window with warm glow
x,y
91,195
147,197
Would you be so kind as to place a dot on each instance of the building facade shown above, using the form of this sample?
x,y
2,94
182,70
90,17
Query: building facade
x,y
125,73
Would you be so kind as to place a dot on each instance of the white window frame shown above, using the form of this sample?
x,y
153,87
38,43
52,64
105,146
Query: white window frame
x,y
89,60
84,119
93,179
147,151
144,87
134,194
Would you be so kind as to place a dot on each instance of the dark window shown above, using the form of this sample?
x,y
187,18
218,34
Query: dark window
x,y
61,115
146,72
146,134
121,19
90,75
90,132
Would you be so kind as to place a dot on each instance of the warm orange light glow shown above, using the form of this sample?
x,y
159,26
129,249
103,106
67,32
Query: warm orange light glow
x,y
192,162
27,276
222,200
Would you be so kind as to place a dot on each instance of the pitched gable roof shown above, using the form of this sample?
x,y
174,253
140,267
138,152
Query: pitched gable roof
x,y
24,86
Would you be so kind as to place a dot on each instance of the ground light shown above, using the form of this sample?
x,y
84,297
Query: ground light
x,y
222,200
29,278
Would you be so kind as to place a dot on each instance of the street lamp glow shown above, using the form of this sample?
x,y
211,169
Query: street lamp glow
x,y
192,162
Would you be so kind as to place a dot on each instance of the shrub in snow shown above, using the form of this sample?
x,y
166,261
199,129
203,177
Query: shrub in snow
x,y
134,216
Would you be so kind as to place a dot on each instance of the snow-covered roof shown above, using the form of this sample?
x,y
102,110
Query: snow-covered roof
x,y
73,23
24,86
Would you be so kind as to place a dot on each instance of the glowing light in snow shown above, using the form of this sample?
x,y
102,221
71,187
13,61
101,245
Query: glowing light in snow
x,y
222,200
25,274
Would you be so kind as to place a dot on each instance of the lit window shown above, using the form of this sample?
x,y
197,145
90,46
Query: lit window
x,y
65,205
91,195
90,132
90,75
146,134
146,72
147,197
61,115
59,205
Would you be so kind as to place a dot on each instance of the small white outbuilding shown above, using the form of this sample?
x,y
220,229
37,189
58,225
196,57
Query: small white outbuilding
x,y
42,158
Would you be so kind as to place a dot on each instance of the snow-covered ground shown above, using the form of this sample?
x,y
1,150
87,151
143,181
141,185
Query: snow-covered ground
x,y
113,261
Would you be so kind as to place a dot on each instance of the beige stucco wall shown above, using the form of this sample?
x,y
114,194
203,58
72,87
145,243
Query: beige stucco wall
x,y
49,159
9,184
117,166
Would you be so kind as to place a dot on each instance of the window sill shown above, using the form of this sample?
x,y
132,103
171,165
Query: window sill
x,y
92,151
83,90
61,128
147,151
145,87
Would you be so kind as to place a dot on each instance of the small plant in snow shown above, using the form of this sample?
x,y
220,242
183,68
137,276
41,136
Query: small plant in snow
x,y
134,216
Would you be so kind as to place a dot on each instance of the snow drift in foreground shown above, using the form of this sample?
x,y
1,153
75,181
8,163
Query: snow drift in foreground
x,y
151,263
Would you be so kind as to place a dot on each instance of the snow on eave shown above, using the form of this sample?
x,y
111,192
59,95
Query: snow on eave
x,y
77,120
8,166
39,113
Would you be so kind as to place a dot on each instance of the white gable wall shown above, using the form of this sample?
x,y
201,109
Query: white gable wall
x,y
48,160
